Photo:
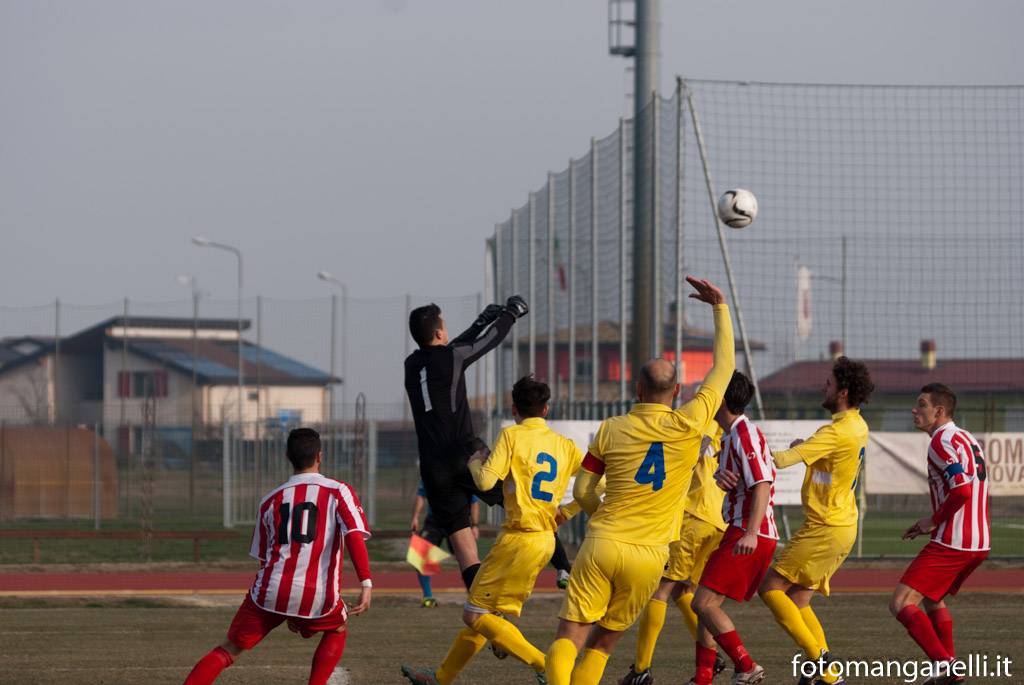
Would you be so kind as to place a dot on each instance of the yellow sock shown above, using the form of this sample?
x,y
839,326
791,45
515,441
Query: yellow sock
x,y
467,643
652,620
814,625
788,616
590,669
507,636
559,662
685,604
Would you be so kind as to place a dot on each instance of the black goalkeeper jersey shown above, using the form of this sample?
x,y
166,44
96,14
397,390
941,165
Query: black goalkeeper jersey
x,y
435,381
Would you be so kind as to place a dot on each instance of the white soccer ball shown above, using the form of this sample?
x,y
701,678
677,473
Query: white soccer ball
x,y
737,208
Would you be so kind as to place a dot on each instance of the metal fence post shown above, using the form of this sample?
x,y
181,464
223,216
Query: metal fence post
x,y
532,287
680,367
97,477
552,366
514,334
594,344
623,360
371,475
572,289
226,480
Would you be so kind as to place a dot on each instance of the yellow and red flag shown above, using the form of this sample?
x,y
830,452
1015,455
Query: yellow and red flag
x,y
424,556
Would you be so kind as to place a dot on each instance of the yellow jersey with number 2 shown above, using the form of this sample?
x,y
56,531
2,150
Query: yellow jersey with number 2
x,y
536,464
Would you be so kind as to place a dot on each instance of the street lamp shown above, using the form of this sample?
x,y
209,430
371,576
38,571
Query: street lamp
x,y
205,242
193,285
329,278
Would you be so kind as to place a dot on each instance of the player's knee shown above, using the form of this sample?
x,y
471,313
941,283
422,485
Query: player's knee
x,y
898,601
231,648
470,617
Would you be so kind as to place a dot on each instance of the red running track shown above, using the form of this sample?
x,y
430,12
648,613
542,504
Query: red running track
x,y
141,583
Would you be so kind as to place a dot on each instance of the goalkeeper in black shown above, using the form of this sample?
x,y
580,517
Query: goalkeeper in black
x,y
436,385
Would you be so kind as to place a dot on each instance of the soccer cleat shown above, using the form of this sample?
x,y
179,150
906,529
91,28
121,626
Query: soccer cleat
x,y
498,652
751,677
428,602
541,679
644,677
562,580
419,676
719,664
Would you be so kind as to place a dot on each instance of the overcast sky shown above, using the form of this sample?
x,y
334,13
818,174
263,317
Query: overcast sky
x,y
379,139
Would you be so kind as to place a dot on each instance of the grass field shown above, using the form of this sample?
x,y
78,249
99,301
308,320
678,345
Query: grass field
x,y
881,539
122,642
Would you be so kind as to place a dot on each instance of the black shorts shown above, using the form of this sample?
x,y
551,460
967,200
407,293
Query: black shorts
x,y
447,496
432,533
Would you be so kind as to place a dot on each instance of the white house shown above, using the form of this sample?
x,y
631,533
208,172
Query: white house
x,y
122,369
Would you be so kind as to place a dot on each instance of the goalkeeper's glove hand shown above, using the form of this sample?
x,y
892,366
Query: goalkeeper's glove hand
x,y
490,313
517,307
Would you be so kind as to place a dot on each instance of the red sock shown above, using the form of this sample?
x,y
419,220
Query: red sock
x,y
209,667
942,621
705,665
326,657
920,628
733,646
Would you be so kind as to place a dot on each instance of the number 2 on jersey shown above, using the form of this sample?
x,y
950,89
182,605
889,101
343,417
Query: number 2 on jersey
x,y
652,469
542,477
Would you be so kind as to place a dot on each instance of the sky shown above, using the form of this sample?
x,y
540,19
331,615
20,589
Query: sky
x,y
378,139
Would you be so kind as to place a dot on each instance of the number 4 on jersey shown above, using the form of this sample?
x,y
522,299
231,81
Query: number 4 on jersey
x,y
652,469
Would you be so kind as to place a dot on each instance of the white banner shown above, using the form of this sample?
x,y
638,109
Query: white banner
x,y
897,463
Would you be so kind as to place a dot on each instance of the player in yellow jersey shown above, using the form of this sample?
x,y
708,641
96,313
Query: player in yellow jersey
x,y
699,536
647,458
834,456
535,464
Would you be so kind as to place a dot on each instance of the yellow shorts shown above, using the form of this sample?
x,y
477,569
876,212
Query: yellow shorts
x,y
687,555
612,582
507,574
814,554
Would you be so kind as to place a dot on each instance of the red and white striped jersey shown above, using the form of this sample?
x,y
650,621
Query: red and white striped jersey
x,y
299,537
744,451
955,459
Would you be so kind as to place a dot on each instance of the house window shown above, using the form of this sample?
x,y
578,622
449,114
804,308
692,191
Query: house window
x,y
142,383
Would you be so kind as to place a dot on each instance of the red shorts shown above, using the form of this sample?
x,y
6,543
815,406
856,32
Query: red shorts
x,y
733,575
938,570
252,623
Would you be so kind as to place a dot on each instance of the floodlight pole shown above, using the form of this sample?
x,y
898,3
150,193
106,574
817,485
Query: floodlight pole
x,y
327,277
203,242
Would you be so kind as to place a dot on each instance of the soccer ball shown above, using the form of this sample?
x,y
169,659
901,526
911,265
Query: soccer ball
x,y
737,208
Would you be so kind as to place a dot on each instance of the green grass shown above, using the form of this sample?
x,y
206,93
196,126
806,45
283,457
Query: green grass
x,y
881,539
121,643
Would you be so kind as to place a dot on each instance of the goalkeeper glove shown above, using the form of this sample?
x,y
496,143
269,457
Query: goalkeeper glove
x,y
517,307
490,313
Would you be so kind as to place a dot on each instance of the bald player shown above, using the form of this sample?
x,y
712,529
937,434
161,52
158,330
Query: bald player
x,y
647,458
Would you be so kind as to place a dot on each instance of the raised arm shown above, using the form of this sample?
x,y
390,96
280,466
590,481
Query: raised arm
x,y
469,351
701,409
484,319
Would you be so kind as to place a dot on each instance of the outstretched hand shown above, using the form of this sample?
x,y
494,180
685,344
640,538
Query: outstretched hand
x,y
706,291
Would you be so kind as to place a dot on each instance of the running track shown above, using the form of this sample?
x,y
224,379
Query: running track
x,y
394,582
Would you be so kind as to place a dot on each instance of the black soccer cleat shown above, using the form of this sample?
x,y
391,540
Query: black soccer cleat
x,y
719,665
419,676
498,652
634,677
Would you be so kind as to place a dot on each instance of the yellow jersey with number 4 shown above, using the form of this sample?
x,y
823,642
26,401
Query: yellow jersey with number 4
x,y
535,464
834,456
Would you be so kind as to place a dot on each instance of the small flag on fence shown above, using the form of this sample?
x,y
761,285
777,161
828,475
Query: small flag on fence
x,y
424,556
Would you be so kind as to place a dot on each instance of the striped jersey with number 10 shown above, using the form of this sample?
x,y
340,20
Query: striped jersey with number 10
x,y
955,459
298,539
745,452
